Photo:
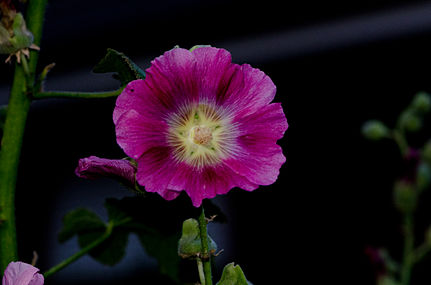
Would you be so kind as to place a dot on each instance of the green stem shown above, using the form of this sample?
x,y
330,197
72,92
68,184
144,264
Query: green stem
x,y
408,257
13,132
85,95
401,141
206,256
421,252
201,271
80,253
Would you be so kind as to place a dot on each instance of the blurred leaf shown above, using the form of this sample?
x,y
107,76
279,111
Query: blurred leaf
x,y
80,221
164,249
111,251
125,70
233,275
89,228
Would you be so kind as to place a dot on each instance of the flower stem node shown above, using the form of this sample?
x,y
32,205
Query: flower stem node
x,y
15,38
375,130
405,196
190,245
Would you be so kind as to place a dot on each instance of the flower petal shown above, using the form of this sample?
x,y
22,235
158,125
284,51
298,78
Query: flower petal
x,y
207,182
136,133
269,123
155,169
248,91
20,273
257,160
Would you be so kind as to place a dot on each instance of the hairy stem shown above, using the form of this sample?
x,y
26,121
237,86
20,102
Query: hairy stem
x,y
80,253
206,256
13,132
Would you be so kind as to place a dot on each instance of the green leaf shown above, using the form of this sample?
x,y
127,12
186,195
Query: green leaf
x,y
109,252
89,228
125,70
233,275
80,221
164,249
190,243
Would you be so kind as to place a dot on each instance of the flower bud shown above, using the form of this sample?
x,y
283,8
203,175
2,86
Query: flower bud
x,y
423,176
410,121
421,102
233,274
405,196
190,244
17,38
426,152
375,130
386,280
94,167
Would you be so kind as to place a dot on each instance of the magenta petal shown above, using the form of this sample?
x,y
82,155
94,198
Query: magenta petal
x,y
155,169
269,123
249,90
173,79
20,273
136,134
259,161
94,167
215,69
208,182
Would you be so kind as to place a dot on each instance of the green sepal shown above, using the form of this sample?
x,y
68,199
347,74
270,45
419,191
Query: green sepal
x,y
233,275
125,70
190,244
21,38
198,46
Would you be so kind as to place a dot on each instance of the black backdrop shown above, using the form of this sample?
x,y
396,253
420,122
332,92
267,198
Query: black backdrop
x,y
333,197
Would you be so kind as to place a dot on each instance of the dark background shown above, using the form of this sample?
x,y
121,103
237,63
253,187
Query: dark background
x,y
335,64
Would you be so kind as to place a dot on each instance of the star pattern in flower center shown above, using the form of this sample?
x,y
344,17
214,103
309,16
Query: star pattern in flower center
x,y
200,135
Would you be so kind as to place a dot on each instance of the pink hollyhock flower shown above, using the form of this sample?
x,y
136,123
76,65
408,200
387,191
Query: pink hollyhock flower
x,y
201,124
20,273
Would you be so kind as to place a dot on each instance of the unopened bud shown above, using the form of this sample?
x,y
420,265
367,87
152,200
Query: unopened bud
x,y
426,153
405,196
423,176
422,102
233,274
375,130
16,39
190,244
410,121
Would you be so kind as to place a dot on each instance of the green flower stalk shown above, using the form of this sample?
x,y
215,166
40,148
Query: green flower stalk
x,y
16,116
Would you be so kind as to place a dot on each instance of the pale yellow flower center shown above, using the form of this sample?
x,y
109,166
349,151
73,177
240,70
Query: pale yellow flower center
x,y
199,135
